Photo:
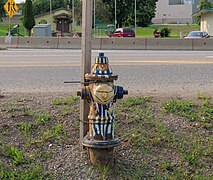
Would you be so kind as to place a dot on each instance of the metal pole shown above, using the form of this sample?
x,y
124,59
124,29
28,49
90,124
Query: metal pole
x,y
94,18
115,15
51,12
9,27
73,16
135,18
86,62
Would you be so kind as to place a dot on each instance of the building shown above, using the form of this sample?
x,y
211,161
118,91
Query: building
x,y
175,11
206,23
60,19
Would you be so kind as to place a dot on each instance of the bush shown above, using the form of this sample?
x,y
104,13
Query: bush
x,y
165,32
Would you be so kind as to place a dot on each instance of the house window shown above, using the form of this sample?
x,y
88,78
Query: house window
x,y
175,2
43,21
178,2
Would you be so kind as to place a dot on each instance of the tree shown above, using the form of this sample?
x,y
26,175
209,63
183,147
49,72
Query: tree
x,y
102,12
28,20
2,11
125,11
42,6
203,4
145,12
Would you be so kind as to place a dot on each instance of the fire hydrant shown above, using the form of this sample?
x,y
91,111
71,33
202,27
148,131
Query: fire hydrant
x,y
101,94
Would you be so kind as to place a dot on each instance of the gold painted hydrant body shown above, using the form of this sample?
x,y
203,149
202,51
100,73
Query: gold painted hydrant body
x,y
101,94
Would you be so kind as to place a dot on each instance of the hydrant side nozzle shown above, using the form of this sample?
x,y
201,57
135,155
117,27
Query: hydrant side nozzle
x,y
78,93
120,92
125,92
83,93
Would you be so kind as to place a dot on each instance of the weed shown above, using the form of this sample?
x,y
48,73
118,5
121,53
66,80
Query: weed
x,y
10,108
32,172
42,117
13,153
66,110
27,130
50,133
202,113
135,101
26,111
57,129
103,170
5,132
138,174
56,102
191,157
178,107
201,95
168,166
65,101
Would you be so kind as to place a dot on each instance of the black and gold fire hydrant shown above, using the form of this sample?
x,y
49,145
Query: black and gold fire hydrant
x,y
101,94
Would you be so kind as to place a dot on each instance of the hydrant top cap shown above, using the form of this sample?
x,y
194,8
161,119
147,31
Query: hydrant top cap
x,y
101,59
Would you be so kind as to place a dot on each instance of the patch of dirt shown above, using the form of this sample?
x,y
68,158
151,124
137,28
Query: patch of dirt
x,y
60,155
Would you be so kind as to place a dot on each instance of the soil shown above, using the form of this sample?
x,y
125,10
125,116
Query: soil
x,y
61,156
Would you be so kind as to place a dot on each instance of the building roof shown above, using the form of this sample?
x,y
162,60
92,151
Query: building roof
x,y
203,11
53,11
19,1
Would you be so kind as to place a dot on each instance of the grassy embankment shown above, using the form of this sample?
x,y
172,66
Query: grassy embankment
x,y
146,32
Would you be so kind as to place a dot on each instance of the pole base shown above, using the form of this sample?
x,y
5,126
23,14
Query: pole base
x,y
101,157
101,152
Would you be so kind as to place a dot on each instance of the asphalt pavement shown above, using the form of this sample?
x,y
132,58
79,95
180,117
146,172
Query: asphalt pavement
x,y
141,72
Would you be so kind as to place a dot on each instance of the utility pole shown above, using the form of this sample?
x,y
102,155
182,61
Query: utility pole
x,y
94,16
135,17
51,18
86,62
73,16
115,14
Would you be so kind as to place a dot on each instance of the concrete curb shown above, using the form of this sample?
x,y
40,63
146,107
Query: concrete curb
x,y
110,43
3,48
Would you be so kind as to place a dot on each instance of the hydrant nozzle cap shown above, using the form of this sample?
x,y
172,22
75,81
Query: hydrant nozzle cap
x,y
101,59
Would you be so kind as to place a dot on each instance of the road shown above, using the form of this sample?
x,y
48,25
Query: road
x,y
141,72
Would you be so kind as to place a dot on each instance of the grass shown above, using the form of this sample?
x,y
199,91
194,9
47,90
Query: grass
x,y
64,101
4,28
146,32
42,117
34,172
200,113
149,133
160,139
12,152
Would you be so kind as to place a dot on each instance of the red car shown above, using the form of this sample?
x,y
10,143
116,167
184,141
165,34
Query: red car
x,y
122,32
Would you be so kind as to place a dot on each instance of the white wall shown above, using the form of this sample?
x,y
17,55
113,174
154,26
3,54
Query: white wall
x,y
166,13
207,23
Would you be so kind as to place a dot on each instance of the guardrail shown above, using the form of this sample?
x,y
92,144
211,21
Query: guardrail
x,y
110,43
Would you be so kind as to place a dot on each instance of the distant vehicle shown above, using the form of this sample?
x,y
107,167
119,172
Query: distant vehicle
x,y
197,34
122,32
